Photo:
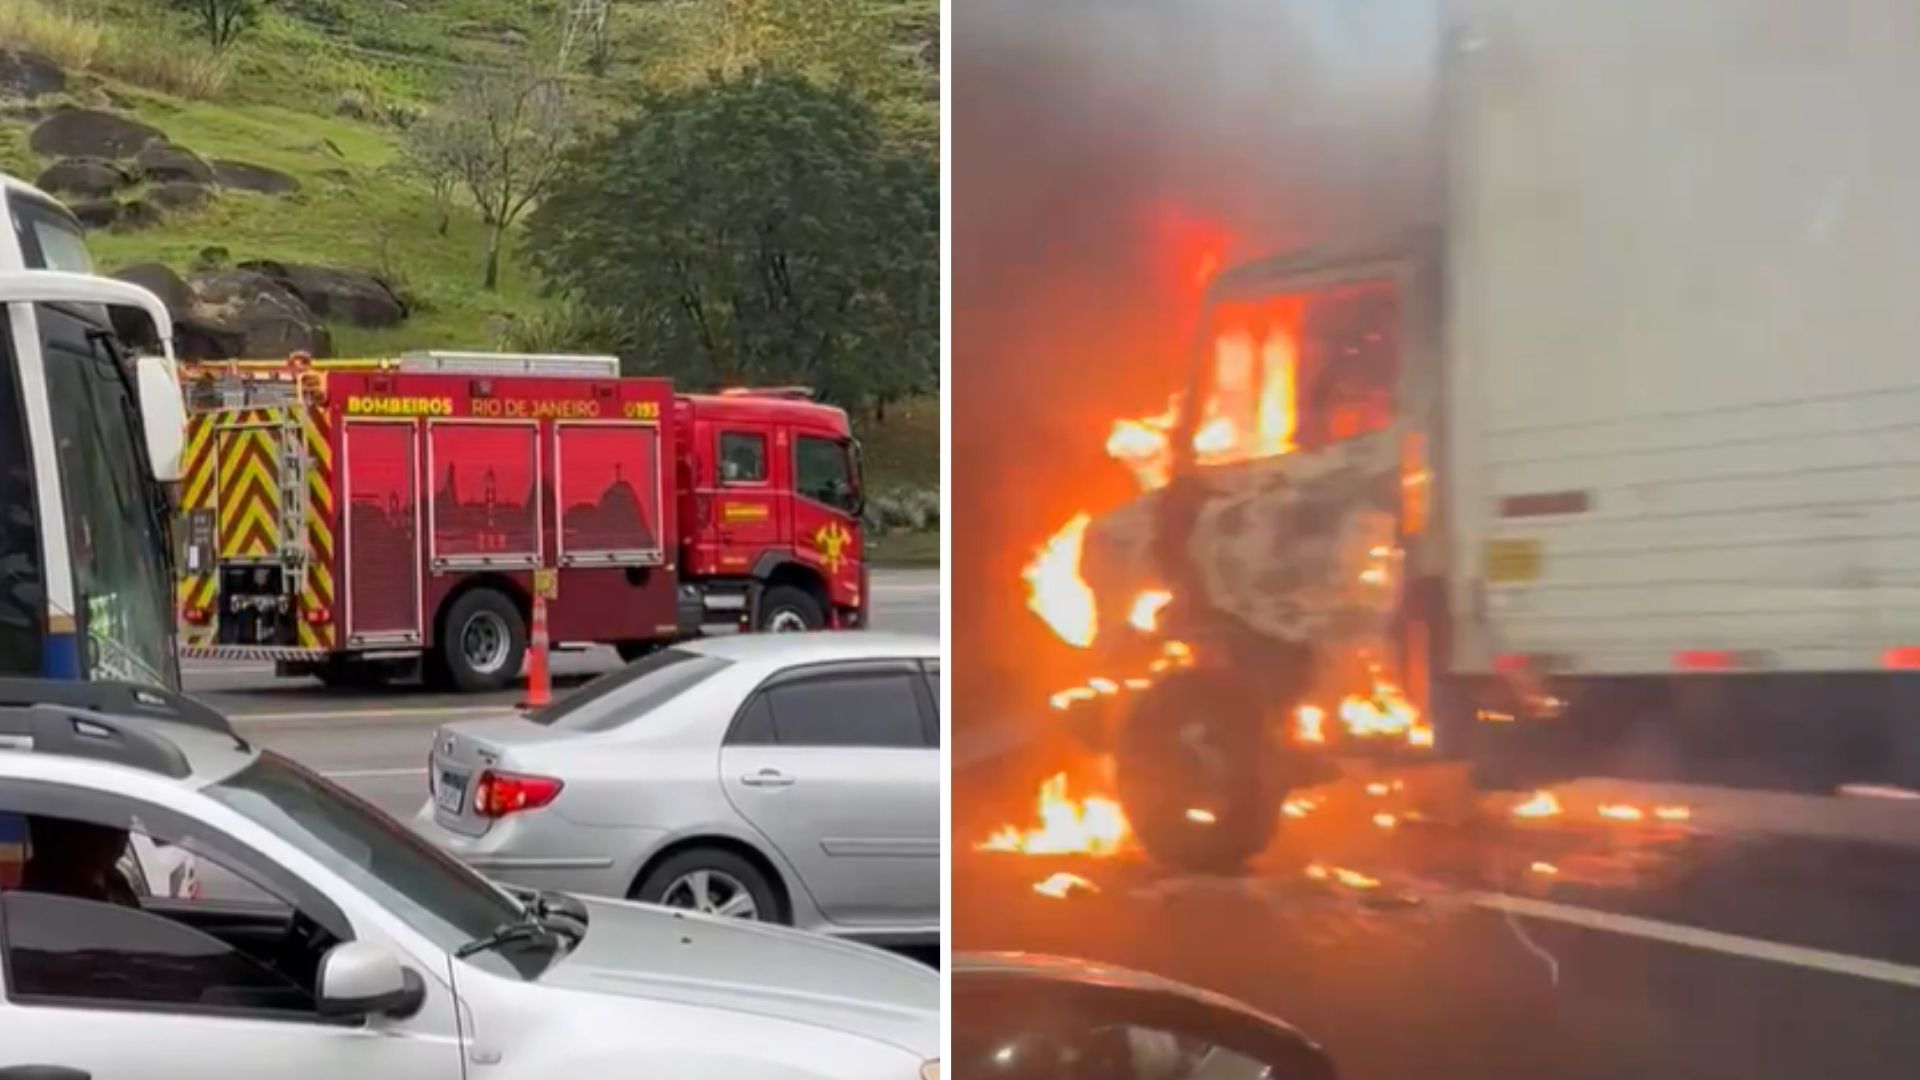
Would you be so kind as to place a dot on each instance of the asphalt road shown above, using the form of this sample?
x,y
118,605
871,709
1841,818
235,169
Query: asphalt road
x,y
1652,950
376,743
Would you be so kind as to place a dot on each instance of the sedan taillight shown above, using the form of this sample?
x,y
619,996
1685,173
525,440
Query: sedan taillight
x,y
498,794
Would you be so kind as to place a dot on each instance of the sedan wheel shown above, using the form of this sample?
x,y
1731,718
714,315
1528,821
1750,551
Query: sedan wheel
x,y
711,892
713,881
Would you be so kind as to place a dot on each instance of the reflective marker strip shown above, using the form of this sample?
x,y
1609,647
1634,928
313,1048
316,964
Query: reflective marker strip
x,y
1902,657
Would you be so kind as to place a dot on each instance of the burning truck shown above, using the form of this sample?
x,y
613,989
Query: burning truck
x,y
1608,471
1259,574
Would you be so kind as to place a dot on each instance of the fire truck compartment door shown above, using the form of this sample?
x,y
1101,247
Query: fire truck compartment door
x,y
833,766
382,558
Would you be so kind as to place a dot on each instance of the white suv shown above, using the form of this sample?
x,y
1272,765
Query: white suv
x,y
359,950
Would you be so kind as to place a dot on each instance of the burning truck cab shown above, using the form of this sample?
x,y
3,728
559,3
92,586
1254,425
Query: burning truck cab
x,y
1254,596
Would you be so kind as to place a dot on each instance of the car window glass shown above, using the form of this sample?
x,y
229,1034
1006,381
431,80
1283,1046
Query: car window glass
x,y
743,457
823,472
875,710
633,691
151,909
62,949
754,725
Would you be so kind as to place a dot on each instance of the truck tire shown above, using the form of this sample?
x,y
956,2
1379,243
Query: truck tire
x,y
1195,776
483,642
788,609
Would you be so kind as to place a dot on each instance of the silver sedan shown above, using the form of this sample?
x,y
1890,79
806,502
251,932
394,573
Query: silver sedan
x,y
790,778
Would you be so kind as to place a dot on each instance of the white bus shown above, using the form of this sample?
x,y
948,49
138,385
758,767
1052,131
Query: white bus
x,y
90,439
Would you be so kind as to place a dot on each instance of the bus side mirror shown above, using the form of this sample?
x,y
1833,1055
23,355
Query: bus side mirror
x,y
163,416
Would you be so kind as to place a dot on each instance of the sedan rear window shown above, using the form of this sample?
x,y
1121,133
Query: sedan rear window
x,y
634,691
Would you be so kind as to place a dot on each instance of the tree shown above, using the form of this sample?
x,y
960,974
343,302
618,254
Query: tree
x,y
502,136
222,21
431,153
755,229
838,41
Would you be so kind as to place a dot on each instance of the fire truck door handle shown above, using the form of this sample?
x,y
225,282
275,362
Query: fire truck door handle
x,y
771,778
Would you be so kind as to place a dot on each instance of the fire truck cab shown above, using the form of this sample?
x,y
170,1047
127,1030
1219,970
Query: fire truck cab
x,y
358,519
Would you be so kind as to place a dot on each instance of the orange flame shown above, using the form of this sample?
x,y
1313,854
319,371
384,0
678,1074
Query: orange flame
x,y
1352,879
1619,812
1386,820
1542,804
1145,616
1060,884
1299,808
1310,723
1090,826
1673,813
1057,592
1545,868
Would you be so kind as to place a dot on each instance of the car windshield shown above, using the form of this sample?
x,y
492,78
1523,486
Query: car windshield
x,y
436,894
632,692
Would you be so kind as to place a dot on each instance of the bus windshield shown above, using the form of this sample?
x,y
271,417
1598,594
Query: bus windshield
x,y
123,581
115,534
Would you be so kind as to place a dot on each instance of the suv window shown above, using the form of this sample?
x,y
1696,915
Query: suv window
x,y
62,950
823,472
639,688
873,709
80,924
743,457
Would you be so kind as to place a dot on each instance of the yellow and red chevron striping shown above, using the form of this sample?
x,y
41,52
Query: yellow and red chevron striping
x,y
316,429
249,486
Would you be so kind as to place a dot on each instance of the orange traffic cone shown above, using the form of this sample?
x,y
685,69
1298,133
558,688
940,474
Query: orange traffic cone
x,y
539,678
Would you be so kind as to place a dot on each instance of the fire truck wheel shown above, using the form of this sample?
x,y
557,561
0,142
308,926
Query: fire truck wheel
x,y
484,641
1194,776
785,609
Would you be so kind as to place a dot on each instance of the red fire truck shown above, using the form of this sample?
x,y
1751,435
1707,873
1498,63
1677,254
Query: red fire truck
x,y
359,519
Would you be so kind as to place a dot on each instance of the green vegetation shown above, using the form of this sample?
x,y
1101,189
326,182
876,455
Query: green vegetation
x,y
327,91
755,230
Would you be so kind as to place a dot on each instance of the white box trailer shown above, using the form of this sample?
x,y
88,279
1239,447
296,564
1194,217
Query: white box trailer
x,y
1682,352
1656,372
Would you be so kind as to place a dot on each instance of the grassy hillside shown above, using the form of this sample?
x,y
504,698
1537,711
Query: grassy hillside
x,y
323,90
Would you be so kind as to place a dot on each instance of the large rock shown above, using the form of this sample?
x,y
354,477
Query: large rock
x,y
352,296
95,213
160,280
86,177
29,75
138,214
241,176
163,162
180,196
90,133
255,317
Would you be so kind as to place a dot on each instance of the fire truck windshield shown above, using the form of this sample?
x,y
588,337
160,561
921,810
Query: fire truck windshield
x,y
113,548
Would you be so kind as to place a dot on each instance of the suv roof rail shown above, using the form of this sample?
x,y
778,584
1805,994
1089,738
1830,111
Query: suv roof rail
x,y
67,731
115,698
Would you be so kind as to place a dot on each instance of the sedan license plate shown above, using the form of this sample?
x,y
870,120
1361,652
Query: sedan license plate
x,y
450,791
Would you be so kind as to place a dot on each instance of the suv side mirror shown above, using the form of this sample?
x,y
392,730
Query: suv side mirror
x,y
359,978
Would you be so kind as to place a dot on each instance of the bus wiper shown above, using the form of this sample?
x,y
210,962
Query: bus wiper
x,y
505,934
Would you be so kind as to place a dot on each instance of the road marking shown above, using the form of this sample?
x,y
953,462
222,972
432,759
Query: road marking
x,y
463,711
1860,967
372,774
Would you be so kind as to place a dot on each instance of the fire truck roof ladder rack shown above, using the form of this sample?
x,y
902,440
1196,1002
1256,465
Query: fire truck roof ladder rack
x,y
579,366
784,393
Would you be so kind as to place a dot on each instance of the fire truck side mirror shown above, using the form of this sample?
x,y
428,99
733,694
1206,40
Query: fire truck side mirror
x,y
163,417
